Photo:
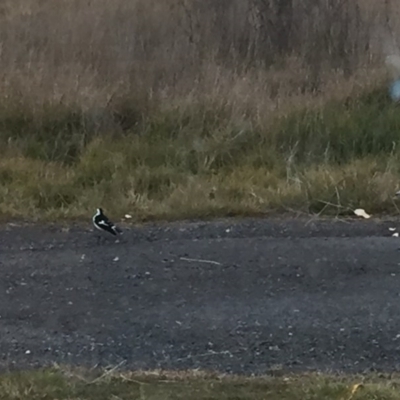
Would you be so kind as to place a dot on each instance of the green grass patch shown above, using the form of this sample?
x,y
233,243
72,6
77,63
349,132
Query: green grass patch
x,y
159,385
200,161
341,132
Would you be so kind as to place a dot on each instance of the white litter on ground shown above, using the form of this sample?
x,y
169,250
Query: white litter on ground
x,y
361,213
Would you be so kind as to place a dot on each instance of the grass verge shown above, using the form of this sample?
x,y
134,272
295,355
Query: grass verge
x,y
57,384
198,162
188,109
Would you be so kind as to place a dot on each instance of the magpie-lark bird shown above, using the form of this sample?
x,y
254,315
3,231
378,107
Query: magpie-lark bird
x,y
101,222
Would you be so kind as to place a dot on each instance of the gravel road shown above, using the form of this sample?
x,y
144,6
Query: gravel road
x,y
243,296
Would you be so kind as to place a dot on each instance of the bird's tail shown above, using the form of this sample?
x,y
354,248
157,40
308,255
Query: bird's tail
x,y
117,230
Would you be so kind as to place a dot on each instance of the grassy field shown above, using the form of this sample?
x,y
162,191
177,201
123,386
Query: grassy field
x,y
185,109
56,384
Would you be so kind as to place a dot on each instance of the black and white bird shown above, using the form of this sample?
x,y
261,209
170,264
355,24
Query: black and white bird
x,y
101,222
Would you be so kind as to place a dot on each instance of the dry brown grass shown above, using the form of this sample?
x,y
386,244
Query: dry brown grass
x,y
254,55
195,108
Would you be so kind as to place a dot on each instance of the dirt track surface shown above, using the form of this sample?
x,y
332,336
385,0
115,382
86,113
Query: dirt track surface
x,y
296,295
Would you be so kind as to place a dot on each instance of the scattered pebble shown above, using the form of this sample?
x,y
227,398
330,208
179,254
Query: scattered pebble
x,y
27,352
396,234
116,259
392,229
128,216
274,348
